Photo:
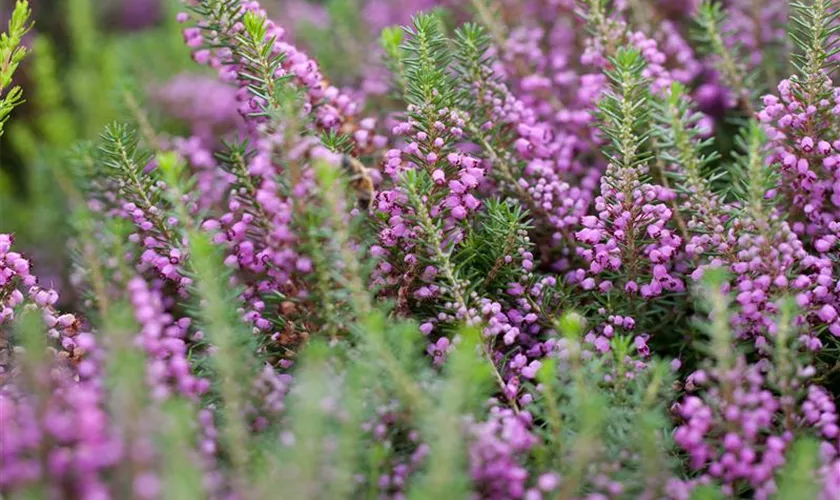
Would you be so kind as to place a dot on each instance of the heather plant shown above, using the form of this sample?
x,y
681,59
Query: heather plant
x,y
11,54
515,249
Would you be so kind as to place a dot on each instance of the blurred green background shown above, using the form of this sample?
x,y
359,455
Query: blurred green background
x,y
91,62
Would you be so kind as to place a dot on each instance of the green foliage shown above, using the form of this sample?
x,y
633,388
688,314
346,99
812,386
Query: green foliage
x,y
94,70
472,42
122,154
479,87
625,111
392,41
707,492
348,454
427,57
385,362
309,427
41,141
74,95
467,380
233,358
341,46
490,14
125,368
388,359
181,478
607,29
261,63
80,79
417,183
100,244
54,122
487,252
595,14
710,18
679,141
30,335
592,409
123,159
126,364
798,479
718,330
11,54
484,261
320,231
754,181
814,28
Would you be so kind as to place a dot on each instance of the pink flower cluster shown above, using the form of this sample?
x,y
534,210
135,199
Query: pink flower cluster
x,y
802,130
737,430
66,405
495,454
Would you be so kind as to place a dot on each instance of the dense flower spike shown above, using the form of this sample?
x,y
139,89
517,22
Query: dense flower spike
x,y
495,454
802,129
165,341
436,180
630,245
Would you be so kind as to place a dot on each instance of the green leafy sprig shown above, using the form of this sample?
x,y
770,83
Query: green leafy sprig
x,y
11,55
